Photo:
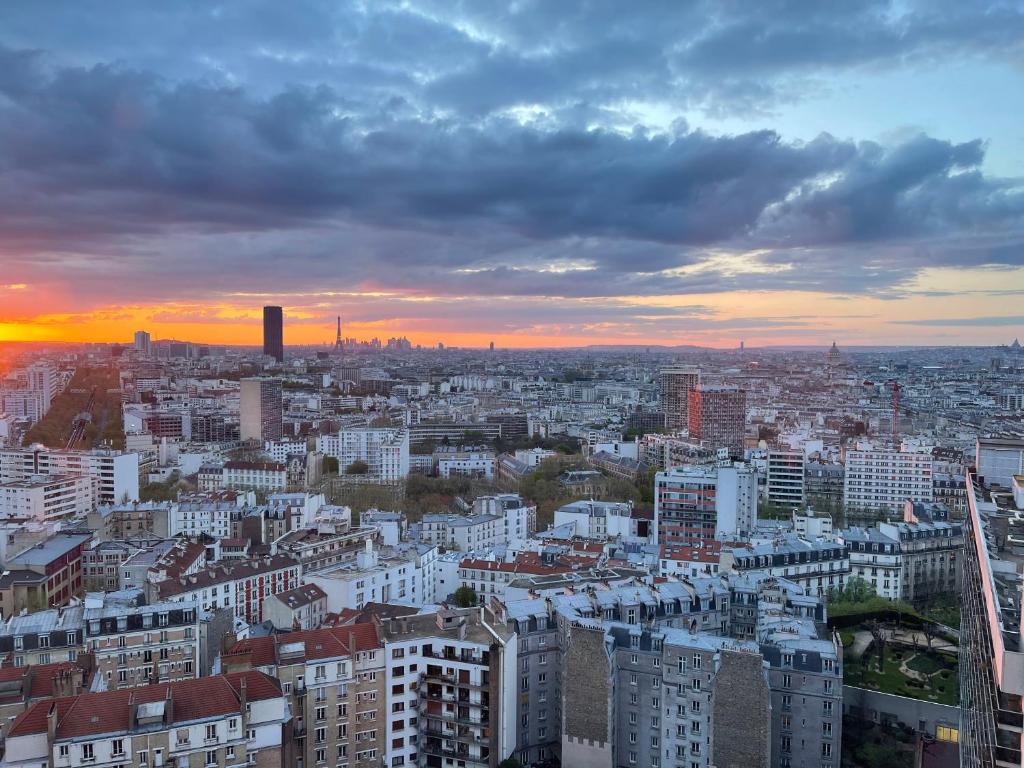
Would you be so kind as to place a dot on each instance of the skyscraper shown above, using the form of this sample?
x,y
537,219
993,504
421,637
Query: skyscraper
x,y
273,333
143,343
676,383
717,417
260,409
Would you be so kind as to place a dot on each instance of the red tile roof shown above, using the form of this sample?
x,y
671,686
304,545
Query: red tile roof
x,y
324,643
94,714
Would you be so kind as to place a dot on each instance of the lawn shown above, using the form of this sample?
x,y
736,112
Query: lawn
x,y
941,686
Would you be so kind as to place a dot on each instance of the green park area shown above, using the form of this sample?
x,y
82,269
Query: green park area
x,y
106,426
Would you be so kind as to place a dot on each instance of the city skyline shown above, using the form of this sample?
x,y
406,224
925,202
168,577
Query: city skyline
x,y
537,175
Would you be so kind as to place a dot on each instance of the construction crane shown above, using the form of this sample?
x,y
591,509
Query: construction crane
x,y
81,421
895,413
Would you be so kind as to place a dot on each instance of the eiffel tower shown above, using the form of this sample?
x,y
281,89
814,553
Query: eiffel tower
x,y
338,345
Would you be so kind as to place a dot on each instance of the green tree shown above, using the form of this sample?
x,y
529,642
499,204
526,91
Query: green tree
x,y
465,597
357,467
330,465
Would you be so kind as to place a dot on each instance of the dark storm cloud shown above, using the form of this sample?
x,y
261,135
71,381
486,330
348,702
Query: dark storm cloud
x,y
191,143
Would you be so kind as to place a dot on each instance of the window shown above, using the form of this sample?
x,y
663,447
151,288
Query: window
x,y
87,752
63,750
117,747
211,757
211,732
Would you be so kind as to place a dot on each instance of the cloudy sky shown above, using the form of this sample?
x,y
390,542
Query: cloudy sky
x,y
533,172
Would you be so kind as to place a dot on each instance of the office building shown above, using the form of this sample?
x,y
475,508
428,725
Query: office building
x,y
260,409
273,333
676,384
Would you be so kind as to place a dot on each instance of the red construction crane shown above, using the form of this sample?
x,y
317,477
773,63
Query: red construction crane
x,y
895,413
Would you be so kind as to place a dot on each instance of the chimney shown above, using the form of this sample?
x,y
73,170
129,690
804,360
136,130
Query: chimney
x,y
243,698
168,708
133,712
51,724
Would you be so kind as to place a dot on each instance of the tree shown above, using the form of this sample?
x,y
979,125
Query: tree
x,y
931,631
357,467
878,633
857,590
330,465
465,597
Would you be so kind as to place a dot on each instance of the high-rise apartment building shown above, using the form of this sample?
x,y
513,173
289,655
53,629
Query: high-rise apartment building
x,y
115,472
676,385
384,450
717,417
260,409
786,478
991,655
273,333
998,459
143,343
881,481
698,503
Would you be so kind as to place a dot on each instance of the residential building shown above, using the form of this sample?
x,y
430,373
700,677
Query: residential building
x,y
143,344
385,451
220,721
931,555
998,459
136,644
817,565
520,517
785,478
44,637
880,481
46,575
875,557
676,384
695,503
241,585
396,576
335,683
466,464
452,687
464,532
116,473
21,687
302,607
717,417
48,497
810,524
265,476
260,410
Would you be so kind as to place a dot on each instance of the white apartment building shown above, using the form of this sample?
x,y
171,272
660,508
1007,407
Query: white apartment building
x,y
785,476
373,578
882,480
520,517
875,558
196,516
810,525
384,450
280,450
48,497
705,502
597,519
115,472
451,689
466,464
464,532
268,476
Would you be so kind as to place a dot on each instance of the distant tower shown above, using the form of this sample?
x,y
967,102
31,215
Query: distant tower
x,y
676,384
832,358
741,346
273,333
337,341
492,346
